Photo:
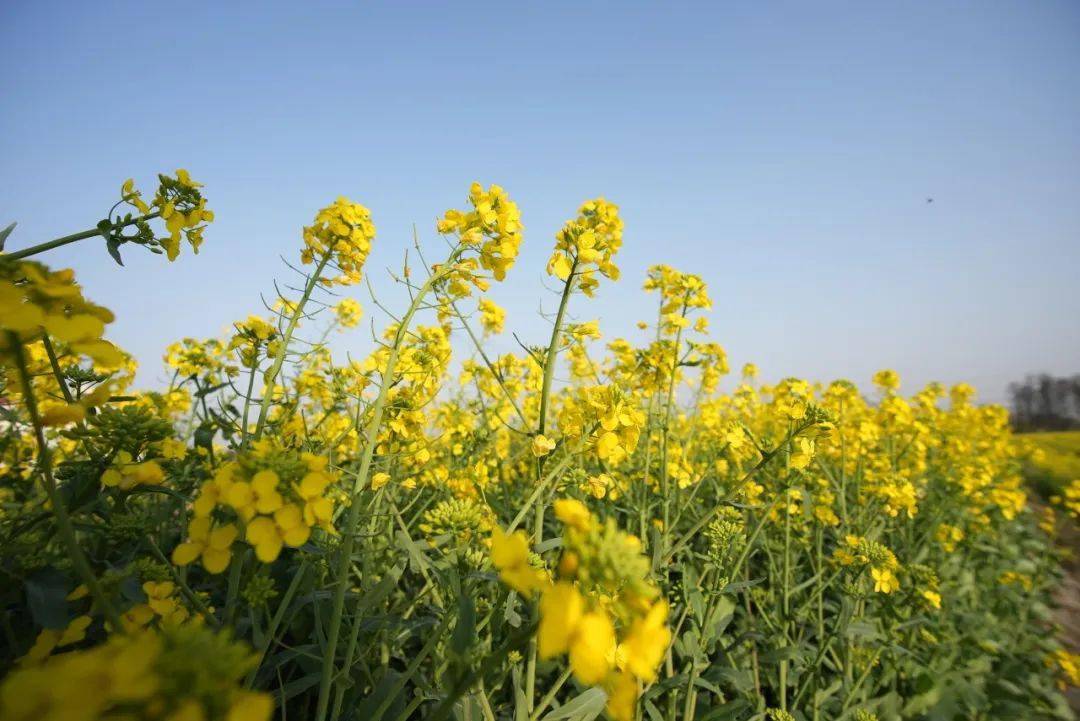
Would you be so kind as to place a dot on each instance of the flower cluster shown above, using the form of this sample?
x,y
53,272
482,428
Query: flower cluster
x,y
493,227
162,605
35,300
178,202
464,519
207,359
586,246
606,415
857,551
276,496
1067,667
51,639
679,294
1070,499
601,609
348,312
179,674
254,339
125,474
492,317
341,233
38,305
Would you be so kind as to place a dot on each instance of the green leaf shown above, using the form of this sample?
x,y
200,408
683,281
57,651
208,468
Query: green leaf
x,y
784,653
4,234
721,617
708,686
417,559
583,707
823,695
733,710
46,597
697,603
732,588
385,694
131,589
467,708
652,712
741,679
465,630
204,436
548,545
863,629
113,246
520,713
297,687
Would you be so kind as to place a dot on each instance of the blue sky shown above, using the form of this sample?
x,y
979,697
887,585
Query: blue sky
x,y
784,151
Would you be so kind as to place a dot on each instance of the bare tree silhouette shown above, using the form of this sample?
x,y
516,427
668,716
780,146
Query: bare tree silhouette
x,y
1046,403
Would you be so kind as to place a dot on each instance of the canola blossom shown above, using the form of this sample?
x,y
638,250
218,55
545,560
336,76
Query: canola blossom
x,y
586,526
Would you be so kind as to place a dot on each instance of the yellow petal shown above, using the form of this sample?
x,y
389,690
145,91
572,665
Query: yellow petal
x,y
78,327
260,529
590,648
296,536
251,706
215,560
185,553
25,317
267,549
561,609
508,551
62,415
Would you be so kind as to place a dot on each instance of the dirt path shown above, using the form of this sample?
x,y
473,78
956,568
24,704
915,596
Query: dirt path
x,y
1067,599
1067,602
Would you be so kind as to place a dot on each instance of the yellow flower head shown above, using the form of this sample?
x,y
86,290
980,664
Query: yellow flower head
x,y
510,555
573,513
587,246
542,445
493,227
342,233
179,203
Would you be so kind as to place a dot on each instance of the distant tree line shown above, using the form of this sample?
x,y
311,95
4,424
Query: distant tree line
x,y
1046,403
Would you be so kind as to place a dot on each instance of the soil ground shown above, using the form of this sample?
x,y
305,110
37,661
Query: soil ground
x,y
1067,598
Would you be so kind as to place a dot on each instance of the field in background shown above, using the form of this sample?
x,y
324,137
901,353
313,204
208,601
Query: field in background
x,y
1055,466
1058,462
586,526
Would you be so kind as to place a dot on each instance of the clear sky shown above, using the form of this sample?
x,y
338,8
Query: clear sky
x,y
784,151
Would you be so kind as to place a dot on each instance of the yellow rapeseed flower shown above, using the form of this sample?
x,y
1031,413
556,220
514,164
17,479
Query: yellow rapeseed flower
x,y
510,556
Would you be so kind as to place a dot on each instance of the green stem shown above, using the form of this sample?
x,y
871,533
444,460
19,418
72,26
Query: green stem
x,y
545,399
57,371
63,521
550,695
820,618
275,622
73,238
272,374
247,398
786,596
859,682
491,366
553,350
665,431
690,534
691,694
539,490
190,595
370,439
488,665
233,591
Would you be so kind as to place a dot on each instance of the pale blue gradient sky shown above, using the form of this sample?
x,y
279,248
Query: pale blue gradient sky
x,y
783,151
